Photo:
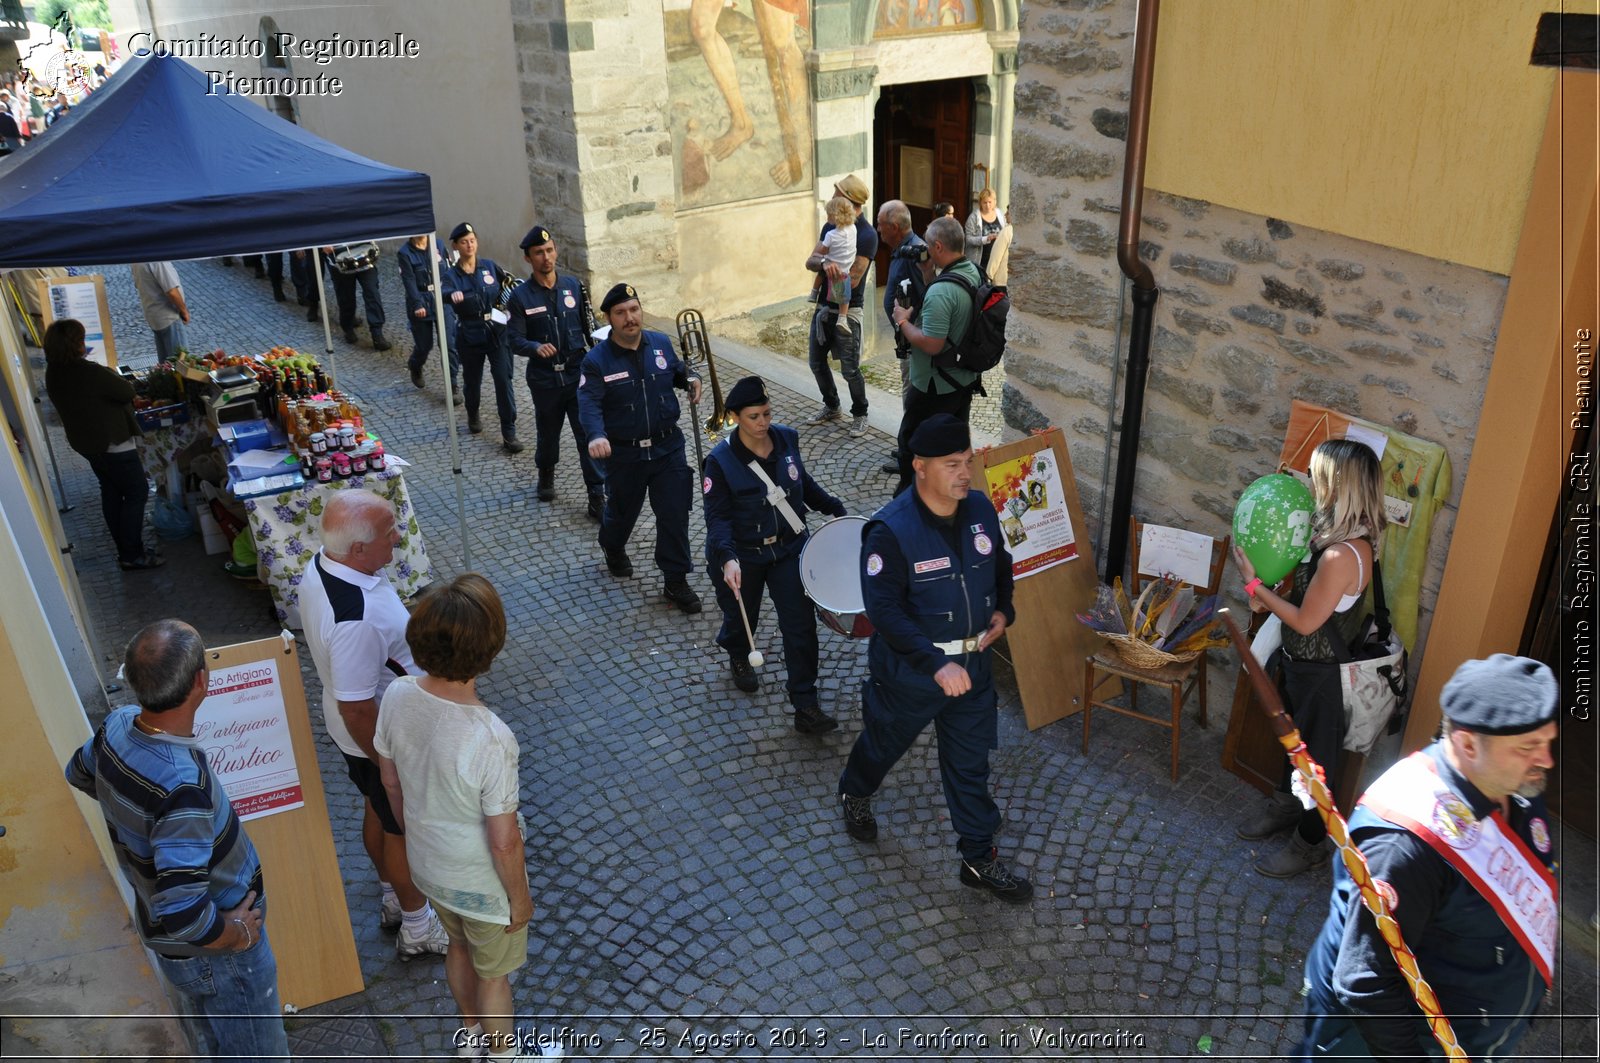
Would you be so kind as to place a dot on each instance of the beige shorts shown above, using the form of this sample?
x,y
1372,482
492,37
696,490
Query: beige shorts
x,y
494,952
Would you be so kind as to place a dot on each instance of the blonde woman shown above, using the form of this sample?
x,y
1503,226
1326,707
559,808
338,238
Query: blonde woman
x,y
984,225
1320,601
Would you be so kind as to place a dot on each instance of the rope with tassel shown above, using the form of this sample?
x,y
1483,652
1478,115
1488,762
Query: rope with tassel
x,y
1311,774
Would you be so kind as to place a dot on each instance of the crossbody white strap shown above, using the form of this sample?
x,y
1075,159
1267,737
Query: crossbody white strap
x,y
778,499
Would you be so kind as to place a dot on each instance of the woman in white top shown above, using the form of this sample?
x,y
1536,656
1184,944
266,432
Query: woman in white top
x,y
449,765
1318,603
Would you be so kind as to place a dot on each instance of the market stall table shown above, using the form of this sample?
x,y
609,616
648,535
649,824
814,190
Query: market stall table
x,y
285,527
159,447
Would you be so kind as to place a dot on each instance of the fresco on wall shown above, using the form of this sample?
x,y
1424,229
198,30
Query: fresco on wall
x,y
906,18
739,101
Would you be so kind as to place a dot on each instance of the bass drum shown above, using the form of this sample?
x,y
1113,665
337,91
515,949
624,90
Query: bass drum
x,y
830,571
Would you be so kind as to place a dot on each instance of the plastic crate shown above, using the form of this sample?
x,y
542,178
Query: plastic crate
x,y
162,416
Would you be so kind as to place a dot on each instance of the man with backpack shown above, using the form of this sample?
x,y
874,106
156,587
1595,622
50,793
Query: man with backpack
x,y
944,369
909,272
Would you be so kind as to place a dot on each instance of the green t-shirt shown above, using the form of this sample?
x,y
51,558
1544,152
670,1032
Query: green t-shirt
x,y
946,312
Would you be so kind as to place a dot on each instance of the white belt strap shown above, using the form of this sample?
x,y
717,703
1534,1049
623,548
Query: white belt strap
x,y
778,499
960,646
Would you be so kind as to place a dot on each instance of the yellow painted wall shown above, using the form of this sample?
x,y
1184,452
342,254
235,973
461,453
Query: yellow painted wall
x,y
1412,125
70,962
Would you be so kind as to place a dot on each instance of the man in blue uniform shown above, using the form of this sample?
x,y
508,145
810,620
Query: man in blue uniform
x,y
416,276
552,328
472,286
1458,841
362,273
936,580
757,494
825,339
630,419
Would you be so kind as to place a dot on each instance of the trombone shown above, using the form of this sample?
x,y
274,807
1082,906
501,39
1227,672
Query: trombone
x,y
697,352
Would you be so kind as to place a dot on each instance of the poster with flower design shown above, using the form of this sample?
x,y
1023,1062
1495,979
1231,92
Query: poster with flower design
x,y
1026,493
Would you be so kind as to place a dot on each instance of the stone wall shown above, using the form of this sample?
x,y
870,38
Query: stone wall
x,y
1254,311
622,186
545,43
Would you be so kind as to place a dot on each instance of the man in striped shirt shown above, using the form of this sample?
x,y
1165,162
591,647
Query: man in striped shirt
x,y
199,900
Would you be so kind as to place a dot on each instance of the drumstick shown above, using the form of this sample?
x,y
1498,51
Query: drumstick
x,y
755,658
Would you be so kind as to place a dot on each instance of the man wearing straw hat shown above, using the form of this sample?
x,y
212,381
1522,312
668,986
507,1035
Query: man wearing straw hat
x,y
1458,841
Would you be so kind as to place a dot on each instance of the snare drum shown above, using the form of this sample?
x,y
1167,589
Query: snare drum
x,y
830,571
355,258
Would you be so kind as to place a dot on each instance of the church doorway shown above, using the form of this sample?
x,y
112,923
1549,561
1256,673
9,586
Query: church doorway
x,y
922,150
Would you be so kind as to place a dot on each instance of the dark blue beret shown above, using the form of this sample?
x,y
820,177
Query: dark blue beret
x,y
939,435
536,236
461,230
619,294
749,391
1503,695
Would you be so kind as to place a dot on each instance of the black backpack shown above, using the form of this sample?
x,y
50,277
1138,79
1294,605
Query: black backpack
x,y
985,341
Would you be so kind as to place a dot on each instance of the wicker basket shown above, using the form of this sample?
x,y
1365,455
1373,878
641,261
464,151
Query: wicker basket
x,y
1140,654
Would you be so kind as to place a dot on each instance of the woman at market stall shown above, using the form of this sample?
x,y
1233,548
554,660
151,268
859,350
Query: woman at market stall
x,y
1318,603
95,404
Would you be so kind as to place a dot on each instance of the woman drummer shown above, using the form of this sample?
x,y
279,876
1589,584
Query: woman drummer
x,y
1322,600
755,530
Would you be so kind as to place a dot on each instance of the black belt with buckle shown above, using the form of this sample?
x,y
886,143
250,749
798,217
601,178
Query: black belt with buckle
x,y
646,443
779,540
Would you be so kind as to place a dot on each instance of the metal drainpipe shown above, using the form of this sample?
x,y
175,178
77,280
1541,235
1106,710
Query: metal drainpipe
x,y
1145,292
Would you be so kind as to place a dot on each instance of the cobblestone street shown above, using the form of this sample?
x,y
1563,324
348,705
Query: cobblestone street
x,y
690,873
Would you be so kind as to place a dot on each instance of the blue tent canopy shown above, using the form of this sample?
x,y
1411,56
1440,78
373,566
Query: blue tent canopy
x,y
151,168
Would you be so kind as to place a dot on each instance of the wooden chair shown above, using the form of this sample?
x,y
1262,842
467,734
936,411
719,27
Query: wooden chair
x,y
1180,679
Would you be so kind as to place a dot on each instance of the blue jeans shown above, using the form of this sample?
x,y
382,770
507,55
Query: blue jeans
x,y
168,340
846,347
123,493
229,1001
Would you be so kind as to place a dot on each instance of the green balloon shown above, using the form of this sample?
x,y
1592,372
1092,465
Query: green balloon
x,y
1272,525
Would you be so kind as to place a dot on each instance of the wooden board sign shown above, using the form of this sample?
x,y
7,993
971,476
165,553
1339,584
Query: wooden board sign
x,y
280,792
1035,493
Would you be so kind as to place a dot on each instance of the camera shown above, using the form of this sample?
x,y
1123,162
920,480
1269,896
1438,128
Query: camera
x,y
902,297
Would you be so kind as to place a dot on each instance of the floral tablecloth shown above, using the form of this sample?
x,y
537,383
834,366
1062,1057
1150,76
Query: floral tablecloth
x,y
159,446
285,528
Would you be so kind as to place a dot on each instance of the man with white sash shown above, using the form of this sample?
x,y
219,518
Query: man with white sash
x,y
1458,840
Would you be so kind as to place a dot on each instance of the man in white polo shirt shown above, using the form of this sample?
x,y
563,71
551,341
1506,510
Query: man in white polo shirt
x,y
355,625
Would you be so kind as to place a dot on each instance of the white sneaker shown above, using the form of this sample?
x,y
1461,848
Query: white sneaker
x,y
858,425
389,915
824,415
434,942
543,1050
